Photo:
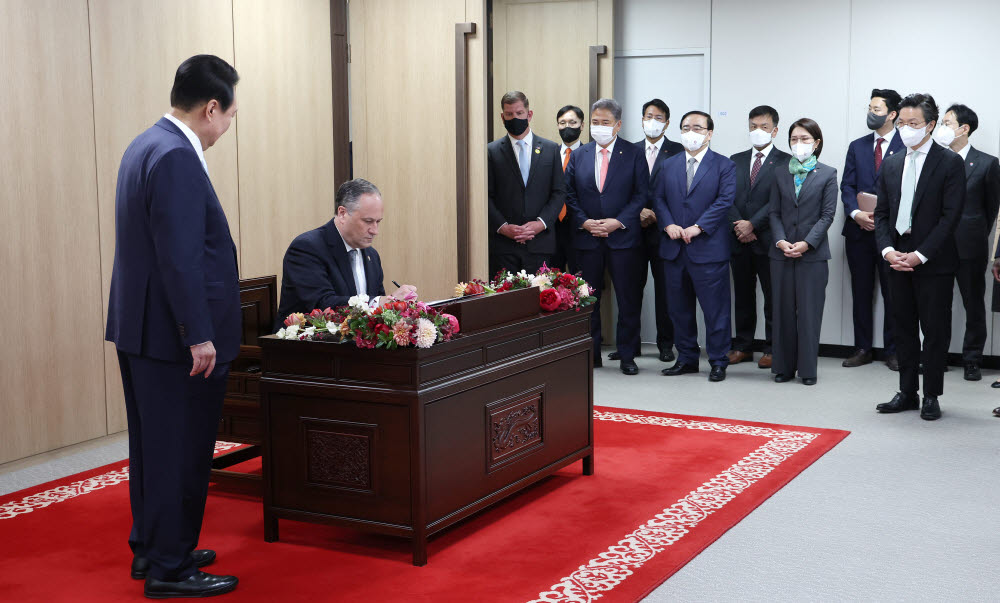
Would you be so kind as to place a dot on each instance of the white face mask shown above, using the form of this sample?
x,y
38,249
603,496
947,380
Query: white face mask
x,y
692,141
802,151
911,137
760,138
944,135
653,128
602,135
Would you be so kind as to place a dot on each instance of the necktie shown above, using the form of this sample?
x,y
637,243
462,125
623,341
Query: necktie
x,y
756,168
906,191
690,173
651,158
562,212
524,160
354,254
878,153
604,167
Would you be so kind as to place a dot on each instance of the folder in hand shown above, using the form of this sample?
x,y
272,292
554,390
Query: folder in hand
x,y
866,202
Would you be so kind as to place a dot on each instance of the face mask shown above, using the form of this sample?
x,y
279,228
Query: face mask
x,y
516,126
760,138
602,135
944,135
569,134
802,151
876,121
692,141
911,137
653,128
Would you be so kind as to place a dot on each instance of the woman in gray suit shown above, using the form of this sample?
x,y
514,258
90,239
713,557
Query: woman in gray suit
x,y
803,204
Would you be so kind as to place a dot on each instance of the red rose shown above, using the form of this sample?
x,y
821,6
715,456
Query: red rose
x,y
567,280
549,300
473,289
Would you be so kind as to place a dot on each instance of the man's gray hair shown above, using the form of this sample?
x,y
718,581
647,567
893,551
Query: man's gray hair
x,y
609,104
349,194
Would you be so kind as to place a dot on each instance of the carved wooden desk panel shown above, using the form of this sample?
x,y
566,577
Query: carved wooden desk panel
x,y
410,441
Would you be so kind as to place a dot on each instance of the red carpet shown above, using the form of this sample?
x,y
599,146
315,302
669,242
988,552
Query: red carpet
x,y
666,486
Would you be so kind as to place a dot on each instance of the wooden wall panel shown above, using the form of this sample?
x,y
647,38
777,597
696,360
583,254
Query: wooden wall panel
x,y
50,367
136,48
475,11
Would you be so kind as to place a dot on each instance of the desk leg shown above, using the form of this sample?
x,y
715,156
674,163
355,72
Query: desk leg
x,y
270,527
588,464
420,550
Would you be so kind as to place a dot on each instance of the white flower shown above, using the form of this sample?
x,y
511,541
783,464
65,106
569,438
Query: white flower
x,y
280,334
426,333
541,281
309,332
583,290
292,332
358,301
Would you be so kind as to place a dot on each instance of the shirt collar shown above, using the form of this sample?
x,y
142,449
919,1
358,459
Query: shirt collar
x,y
699,157
658,144
527,140
572,147
192,138
924,148
766,151
610,147
888,137
964,151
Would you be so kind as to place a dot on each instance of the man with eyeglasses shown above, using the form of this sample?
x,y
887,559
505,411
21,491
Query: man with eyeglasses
x,y
920,197
569,121
692,200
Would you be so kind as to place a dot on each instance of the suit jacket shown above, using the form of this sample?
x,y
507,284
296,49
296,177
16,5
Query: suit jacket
x,y
511,201
175,281
982,198
807,217
316,273
860,176
706,204
623,197
751,203
668,148
937,207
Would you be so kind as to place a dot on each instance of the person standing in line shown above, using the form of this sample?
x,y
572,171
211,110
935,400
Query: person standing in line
x,y
569,121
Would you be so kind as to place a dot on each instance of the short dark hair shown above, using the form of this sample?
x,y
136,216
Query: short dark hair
x,y
762,110
349,193
512,97
202,78
662,106
711,124
567,108
965,116
891,98
812,127
925,102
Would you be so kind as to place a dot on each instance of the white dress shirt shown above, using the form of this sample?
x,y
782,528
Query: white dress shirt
x,y
357,267
921,156
885,153
964,152
515,143
753,155
192,138
697,158
563,148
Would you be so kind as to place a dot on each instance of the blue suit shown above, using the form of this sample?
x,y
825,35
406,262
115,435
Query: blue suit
x,y
700,269
863,257
623,197
175,284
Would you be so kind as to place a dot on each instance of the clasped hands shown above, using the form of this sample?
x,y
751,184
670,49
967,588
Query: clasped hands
x,y
865,219
523,233
902,262
603,227
744,231
686,234
793,250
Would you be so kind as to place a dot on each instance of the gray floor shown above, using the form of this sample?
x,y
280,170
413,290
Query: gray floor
x,y
902,510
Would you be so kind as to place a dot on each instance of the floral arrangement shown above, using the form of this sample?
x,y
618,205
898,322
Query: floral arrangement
x,y
557,290
395,324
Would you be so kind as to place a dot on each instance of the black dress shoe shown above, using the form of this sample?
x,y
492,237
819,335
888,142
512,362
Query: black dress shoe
x,y
616,356
996,411
930,410
859,358
667,356
899,403
680,369
779,378
995,384
629,367
972,372
199,584
718,373
809,381
201,558
598,363
892,362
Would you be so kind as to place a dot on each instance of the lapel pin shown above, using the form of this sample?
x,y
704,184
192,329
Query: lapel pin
x,y
971,164
537,151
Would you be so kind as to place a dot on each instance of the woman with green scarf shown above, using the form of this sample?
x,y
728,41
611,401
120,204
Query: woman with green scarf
x,y
803,205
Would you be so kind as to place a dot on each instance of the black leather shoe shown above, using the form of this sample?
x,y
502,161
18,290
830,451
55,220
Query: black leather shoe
x,y
718,373
598,363
972,372
779,378
199,584
667,356
859,358
995,384
809,381
996,411
201,558
629,367
892,362
930,410
899,403
680,369
616,356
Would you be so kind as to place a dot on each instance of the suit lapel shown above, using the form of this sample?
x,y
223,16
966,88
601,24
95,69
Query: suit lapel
x,y
533,155
507,149
806,184
369,264
973,163
766,165
615,161
926,172
706,163
339,252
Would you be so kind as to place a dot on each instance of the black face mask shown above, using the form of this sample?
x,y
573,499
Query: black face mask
x,y
515,126
876,121
569,134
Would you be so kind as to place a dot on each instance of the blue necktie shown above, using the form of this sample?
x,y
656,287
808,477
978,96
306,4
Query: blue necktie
x,y
523,160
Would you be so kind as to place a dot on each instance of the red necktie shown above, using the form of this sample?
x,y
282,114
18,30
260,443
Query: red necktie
x,y
756,168
878,153
562,212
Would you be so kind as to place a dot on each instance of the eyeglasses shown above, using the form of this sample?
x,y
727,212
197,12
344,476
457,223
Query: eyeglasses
x,y
696,129
802,140
658,118
562,123
913,124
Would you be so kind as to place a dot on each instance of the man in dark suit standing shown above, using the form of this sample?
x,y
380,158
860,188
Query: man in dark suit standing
x,y
174,316
525,192
569,121
751,233
692,201
920,198
606,182
861,168
979,214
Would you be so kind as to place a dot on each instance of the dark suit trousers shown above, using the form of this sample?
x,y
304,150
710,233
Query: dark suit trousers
x,y
514,262
865,261
172,423
799,293
971,277
625,267
565,257
709,285
747,268
664,328
921,302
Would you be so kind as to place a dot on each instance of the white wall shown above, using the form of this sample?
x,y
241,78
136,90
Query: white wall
x,y
822,64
